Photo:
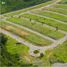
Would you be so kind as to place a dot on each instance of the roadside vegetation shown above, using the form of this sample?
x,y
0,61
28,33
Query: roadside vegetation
x,y
12,53
52,15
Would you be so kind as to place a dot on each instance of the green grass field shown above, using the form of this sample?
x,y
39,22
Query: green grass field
x,y
28,36
52,15
38,27
57,55
47,21
62,6
56,10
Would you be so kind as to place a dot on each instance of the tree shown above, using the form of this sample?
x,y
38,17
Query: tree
x,y
57,28
3,39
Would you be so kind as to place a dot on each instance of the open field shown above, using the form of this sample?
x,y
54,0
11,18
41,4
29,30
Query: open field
x,y
61,6
57,55
30,37
38,27
61,11
47,21
50,14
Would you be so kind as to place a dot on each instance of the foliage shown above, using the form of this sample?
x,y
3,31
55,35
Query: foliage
x,y
11,5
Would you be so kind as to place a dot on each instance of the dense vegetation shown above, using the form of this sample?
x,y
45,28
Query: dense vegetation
x,y
11,5
9,55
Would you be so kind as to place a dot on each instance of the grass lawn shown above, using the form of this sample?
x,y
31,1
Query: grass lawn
x,y
63,6
14,48
38,27
47,21
57,55
52,15
28,36
57,10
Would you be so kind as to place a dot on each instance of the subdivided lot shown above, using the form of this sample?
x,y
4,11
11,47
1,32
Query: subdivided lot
x,y
27,9
57,55
37,27
28,36
47,21
51,15
62,6
14,53
56,10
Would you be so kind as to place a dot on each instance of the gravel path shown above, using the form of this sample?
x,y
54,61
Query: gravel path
x,y
59,65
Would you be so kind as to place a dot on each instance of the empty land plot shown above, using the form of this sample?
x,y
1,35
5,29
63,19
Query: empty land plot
x,y
30,37
17,51
56,10
47,21
58,54
52,15
38,27
62,6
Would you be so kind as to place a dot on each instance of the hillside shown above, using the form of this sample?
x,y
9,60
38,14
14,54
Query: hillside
x,y
12,5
